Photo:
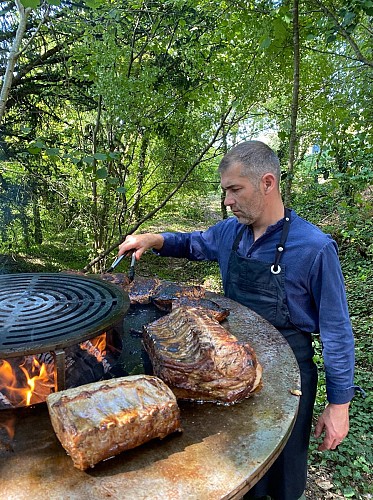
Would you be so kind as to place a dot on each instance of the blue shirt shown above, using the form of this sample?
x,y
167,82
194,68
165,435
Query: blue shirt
x,y
314,284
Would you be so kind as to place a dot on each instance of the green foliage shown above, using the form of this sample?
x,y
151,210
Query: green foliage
x,y
140,94
341,202
34,4
113,107
352,462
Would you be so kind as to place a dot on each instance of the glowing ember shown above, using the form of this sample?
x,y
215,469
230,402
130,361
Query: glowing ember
x,y
7,430
97,348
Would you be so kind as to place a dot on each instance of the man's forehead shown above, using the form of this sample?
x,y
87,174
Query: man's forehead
x,y
232,176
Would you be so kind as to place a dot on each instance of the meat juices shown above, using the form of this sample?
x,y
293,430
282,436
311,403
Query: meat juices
x,y
199,359
99,420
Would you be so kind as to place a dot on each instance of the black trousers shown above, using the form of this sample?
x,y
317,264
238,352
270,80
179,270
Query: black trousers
x,y
286,479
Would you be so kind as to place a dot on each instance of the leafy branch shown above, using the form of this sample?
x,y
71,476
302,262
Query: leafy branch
x,y
151,213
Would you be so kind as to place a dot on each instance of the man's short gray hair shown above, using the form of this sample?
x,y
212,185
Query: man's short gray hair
x,y
256,159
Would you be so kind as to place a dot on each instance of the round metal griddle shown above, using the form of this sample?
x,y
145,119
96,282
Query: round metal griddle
x,y
221,453
42,312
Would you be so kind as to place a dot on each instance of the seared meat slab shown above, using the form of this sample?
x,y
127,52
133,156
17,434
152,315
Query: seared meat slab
x,y
199,359
161,293
100,420
211,308
141,290
120,279
168,292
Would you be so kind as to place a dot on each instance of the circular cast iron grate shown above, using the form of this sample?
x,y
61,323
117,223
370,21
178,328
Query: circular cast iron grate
x,y
42,312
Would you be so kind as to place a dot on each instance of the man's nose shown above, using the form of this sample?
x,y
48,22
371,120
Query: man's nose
x,y
228,201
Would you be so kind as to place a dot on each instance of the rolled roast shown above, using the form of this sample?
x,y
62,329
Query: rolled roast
x,y
199,359
99,420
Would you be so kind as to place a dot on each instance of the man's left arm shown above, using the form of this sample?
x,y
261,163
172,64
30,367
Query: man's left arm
x,y
338,348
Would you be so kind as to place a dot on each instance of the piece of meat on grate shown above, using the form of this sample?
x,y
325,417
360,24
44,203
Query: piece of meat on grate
x,y
209,306
120,279
99,420
141,290
199,359
167,292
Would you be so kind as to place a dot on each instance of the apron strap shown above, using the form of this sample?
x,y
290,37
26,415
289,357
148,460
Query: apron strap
x,y
238,238
280,247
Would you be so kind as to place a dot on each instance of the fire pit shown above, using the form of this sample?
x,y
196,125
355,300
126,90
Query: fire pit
x,y
222,452
48,313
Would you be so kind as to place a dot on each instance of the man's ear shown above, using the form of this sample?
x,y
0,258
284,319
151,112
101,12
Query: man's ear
x,y
269,182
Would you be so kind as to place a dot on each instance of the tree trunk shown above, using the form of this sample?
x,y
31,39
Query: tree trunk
x,y
25,228
294,107
95,210
38,234
140,176
13,56
223,208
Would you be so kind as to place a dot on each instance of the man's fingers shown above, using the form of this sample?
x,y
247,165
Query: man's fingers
x,y
319,428
329,444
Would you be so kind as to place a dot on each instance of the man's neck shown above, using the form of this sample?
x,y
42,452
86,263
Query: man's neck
x,y
269,218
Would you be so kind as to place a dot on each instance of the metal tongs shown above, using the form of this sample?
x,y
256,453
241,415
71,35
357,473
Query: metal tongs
x,y
131,272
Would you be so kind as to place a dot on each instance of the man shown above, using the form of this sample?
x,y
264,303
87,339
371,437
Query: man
x,y
287,270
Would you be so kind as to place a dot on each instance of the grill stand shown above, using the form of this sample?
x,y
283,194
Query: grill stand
x,y
49,313
59,357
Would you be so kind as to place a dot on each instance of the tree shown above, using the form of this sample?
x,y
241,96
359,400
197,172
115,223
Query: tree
x,y
13,55
294,105
116,109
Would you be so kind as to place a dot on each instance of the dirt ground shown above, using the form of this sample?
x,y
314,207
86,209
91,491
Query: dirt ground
x,y
319,485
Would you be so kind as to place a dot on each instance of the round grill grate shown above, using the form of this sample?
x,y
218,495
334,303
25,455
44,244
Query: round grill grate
x,y
42,312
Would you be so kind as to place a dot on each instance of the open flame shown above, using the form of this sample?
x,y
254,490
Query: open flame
x,y
26,384
97,348
29,380
40,381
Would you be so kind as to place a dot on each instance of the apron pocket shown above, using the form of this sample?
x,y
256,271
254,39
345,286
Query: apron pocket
x,y
261,299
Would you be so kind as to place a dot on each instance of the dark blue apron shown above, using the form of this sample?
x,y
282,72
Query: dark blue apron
x,y
260,286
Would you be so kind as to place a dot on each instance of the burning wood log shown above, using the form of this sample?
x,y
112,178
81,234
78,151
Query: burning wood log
x,y
28,380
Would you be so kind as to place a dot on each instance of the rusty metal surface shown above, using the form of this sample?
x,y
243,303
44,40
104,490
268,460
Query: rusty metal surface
x,y
222,452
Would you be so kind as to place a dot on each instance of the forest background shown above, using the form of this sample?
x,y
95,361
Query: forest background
x,y
113,118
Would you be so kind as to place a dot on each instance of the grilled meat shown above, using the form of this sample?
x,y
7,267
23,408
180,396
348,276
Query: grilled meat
x,y
120,279
141,290
199,359
167,292
209,306
99,420
161,293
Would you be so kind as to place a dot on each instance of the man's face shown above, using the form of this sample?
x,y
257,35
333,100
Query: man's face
x,y
244,199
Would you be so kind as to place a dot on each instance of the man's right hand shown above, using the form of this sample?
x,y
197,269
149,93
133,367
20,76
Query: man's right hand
x,y
139,243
